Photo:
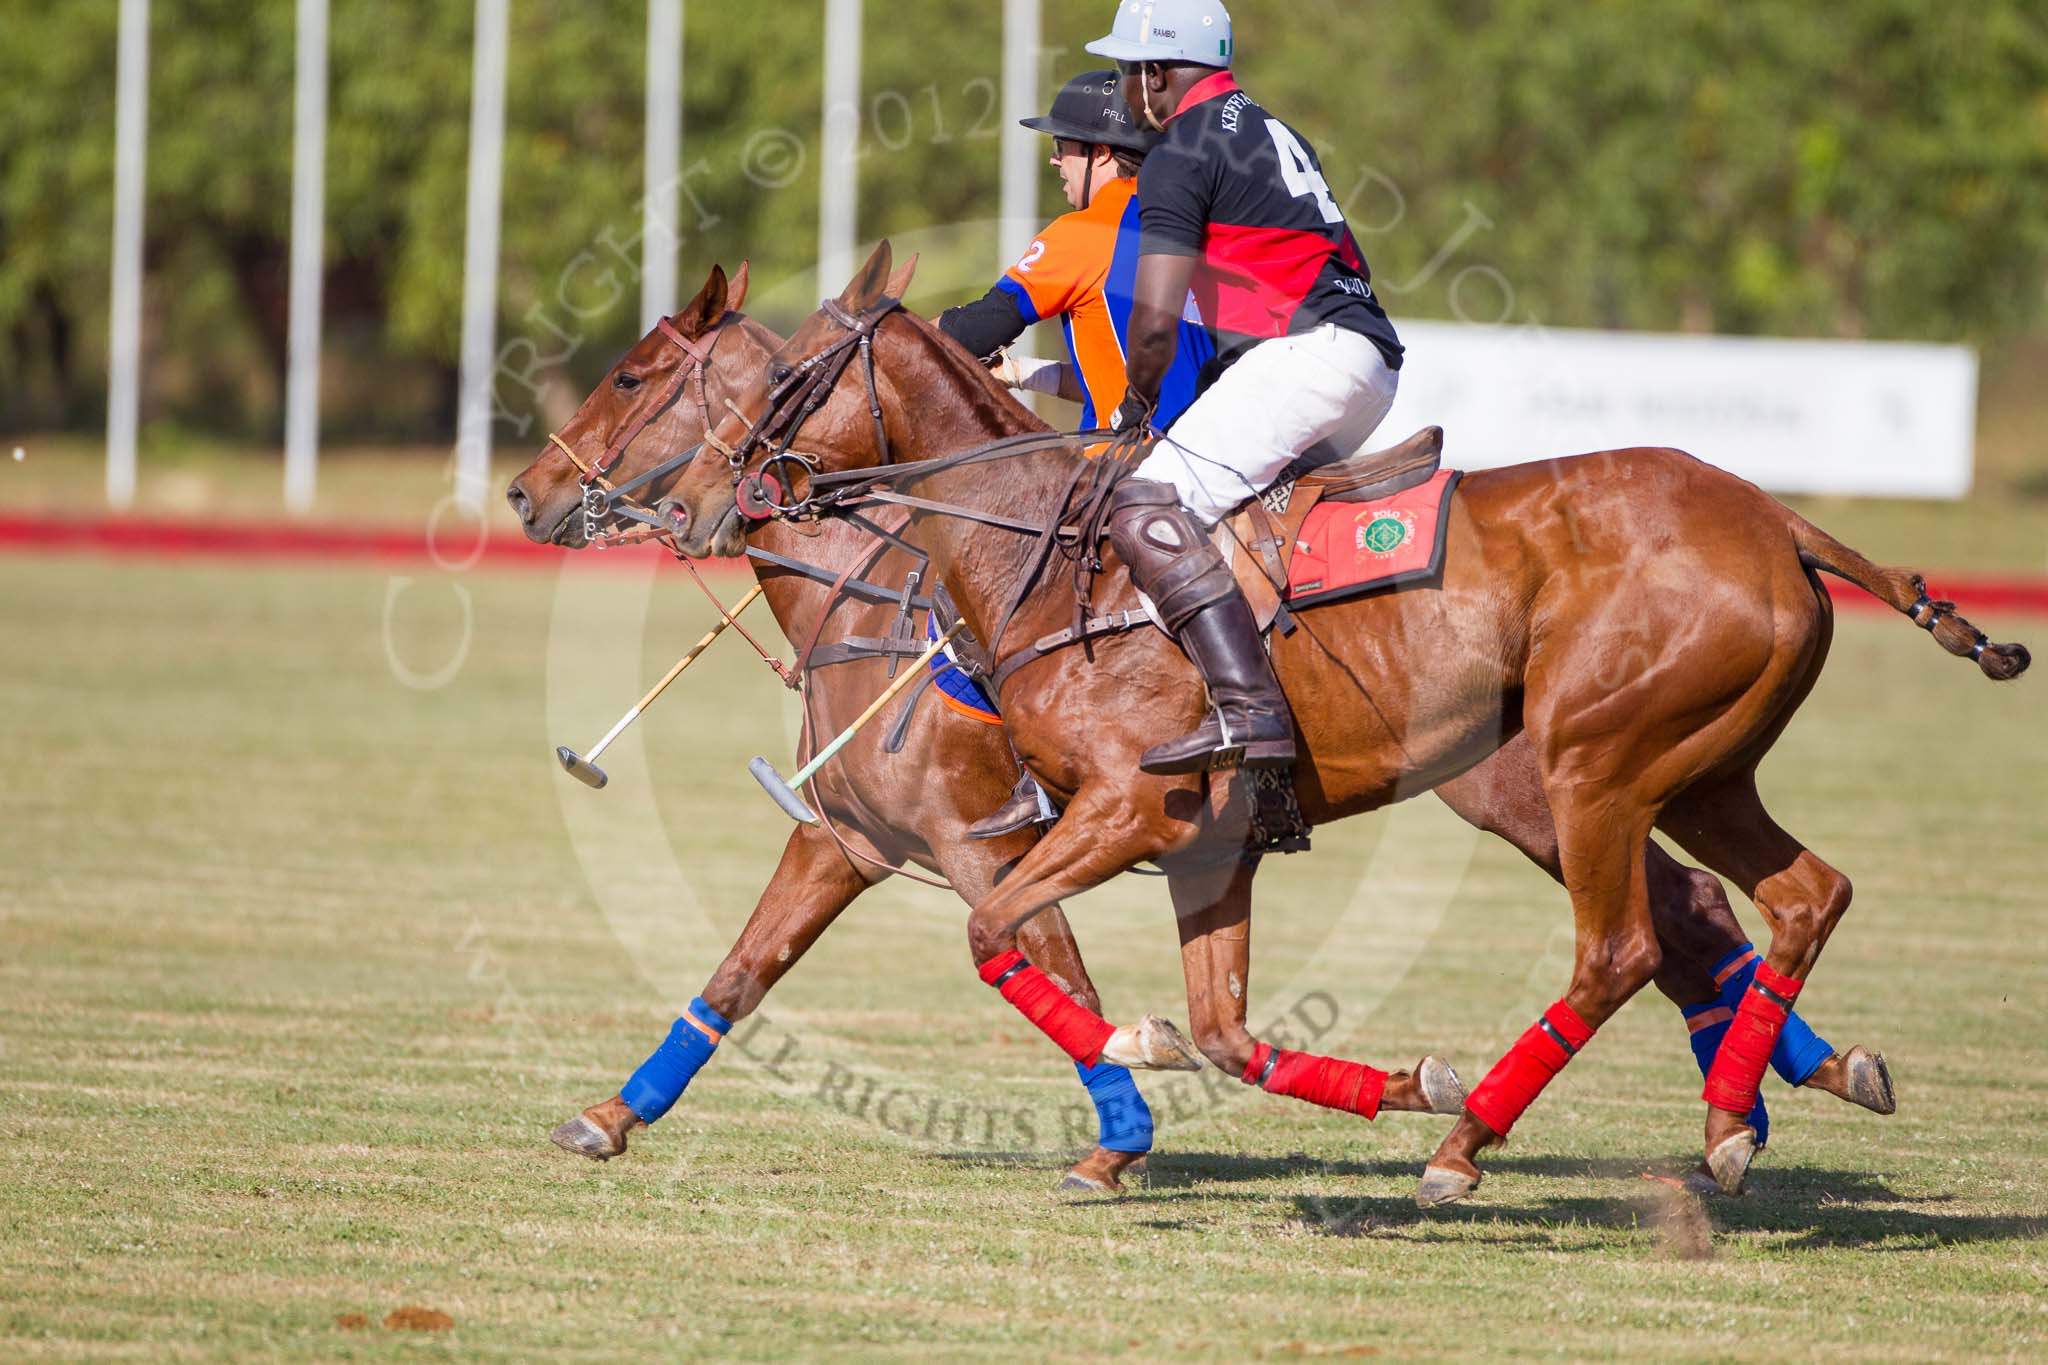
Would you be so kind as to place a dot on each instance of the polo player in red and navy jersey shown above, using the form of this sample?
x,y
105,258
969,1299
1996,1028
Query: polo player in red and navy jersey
x,y
1234,206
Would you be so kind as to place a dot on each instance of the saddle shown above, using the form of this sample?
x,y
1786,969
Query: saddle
x,y
1259,541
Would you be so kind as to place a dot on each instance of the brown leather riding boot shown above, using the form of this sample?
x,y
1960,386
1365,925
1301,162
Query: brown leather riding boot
x,y
1174,564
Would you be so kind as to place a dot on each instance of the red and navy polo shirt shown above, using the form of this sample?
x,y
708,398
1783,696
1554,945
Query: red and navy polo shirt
x,y
1241,190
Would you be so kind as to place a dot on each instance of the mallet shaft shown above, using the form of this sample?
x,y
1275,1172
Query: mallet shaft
x,y
903,680
725,620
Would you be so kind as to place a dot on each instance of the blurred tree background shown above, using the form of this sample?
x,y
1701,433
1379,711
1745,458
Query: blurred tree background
x,y
1877,169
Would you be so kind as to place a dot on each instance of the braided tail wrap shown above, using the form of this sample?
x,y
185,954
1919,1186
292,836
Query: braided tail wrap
x,y
1905,591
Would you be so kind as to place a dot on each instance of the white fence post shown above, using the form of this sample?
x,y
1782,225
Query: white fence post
x,y
480,255
839,147
124,324
1023,150
659,238
308,258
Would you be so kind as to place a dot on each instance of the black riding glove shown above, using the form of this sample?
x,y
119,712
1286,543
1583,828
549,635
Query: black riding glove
x,y
1134,414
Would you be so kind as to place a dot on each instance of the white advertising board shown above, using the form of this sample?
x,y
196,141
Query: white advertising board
x,y
1875,419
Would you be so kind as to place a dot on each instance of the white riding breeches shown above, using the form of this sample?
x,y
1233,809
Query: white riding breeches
x,y
1330,388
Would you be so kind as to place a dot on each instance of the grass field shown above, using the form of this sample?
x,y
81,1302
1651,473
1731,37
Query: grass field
x,y
300,963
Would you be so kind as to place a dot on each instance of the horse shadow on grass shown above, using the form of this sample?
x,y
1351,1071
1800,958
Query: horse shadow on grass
x,y
1810,1207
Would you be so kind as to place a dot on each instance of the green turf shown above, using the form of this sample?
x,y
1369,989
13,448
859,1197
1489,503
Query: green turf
x,y
301,963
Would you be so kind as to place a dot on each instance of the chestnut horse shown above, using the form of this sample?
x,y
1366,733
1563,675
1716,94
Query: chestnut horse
x,y
1650,622
865,793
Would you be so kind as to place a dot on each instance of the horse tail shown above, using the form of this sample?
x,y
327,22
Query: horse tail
x,y
1906,591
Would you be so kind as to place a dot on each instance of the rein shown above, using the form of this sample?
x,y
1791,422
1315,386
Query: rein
x,y
795,397
802,390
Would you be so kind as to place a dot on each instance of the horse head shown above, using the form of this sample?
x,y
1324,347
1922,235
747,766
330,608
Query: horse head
x,y
656,399
837,396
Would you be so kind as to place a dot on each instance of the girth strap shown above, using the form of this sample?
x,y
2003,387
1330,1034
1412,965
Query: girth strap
x,y
1113,623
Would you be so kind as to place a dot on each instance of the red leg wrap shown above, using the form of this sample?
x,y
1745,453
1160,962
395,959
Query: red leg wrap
x,y
1333,1084
1518,1078
1079,1031
1739,1066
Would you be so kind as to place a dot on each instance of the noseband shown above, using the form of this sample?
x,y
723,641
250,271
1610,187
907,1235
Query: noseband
x,y
791,402
602,499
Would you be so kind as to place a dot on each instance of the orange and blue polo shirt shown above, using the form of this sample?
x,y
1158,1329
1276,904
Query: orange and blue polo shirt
x,y
1083,270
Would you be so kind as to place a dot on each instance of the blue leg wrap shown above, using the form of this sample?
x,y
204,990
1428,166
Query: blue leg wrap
x,y
1125,1118
662,1078
1706,1042
1800,1050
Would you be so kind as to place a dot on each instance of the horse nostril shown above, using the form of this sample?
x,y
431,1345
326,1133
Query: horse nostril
x,y
521,504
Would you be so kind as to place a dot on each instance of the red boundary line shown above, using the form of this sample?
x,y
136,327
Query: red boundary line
x,y
244,540
129,537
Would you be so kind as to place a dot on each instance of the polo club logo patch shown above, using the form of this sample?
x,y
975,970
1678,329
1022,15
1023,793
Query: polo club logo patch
x,y
1386,533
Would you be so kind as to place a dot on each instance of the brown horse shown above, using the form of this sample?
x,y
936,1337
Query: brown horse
x,y
875,800
1649,622
868,798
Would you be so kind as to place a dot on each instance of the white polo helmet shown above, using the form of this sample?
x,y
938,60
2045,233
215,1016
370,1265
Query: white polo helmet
x,y
1169,31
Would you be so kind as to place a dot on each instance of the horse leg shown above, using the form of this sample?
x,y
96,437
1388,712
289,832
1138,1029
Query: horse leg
x,y
1724,824
1098,837
1213,909
812,884
1124,1121
1602,833
1706,953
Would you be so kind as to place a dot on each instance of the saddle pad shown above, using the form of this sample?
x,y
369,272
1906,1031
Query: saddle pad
x,y
958,691
1347,548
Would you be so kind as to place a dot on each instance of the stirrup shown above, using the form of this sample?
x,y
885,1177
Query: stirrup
x,y
1028,805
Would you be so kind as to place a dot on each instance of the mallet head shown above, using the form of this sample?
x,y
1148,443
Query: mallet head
x,y
771,782
582,769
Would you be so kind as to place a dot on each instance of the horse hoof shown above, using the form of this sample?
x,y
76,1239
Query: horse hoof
x,y
584,1138
1729,1161
1103,1172
1869,1080
1700,1183
1441,1185
1440,1086
1073,1182
1152,1044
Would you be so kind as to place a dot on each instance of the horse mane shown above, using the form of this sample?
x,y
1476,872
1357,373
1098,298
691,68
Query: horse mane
x,y
1002,406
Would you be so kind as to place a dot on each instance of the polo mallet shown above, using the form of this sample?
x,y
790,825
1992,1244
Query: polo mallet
x,y
785,793
585,770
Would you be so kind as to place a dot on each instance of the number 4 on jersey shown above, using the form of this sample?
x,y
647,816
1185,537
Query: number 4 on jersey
x,y
1300,173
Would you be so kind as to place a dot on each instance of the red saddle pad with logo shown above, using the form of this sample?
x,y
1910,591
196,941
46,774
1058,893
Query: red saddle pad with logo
x,y
1348,548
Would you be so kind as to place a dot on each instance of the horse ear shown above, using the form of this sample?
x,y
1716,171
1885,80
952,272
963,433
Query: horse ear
x,y
869,284
708,307
899,283
736,292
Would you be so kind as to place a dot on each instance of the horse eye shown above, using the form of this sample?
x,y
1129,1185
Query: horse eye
x,y
625,382
778,372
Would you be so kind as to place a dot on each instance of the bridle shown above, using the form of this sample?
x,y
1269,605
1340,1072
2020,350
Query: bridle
x,y
792,400
604,501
